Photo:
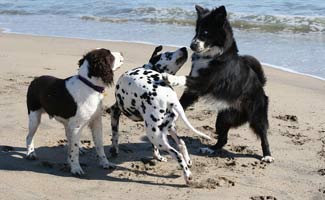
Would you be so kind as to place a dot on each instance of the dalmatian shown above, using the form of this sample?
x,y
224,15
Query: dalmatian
x,y
142,95
75,102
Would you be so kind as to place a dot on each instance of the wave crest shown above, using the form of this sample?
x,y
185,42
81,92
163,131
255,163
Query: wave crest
x,y
244,21
14,12
183,17
278,23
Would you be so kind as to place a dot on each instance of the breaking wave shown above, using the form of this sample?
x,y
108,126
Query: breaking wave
x,y
181,17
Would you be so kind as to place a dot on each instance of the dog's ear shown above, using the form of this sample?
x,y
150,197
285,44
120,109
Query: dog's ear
x,y
154,58
81,61
200,10
100,64
220,12
155,52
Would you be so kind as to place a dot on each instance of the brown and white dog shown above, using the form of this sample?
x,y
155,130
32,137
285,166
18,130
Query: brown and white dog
x,y
75,102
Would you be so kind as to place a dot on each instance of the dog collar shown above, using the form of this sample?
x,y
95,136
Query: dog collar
x,y
91,85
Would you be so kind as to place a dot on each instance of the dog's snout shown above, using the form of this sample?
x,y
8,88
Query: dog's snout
x,y
194,45
184,51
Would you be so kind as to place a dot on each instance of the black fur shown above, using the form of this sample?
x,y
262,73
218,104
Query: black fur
x,y
50,93
229,77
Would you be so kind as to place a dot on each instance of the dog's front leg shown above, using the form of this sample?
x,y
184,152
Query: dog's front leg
x,y
97,132
82,150
73,131
173,80
115,118
188,98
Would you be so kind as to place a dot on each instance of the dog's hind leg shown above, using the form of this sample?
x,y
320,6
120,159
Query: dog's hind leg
x,y
34,118
259,123
156,154
115,118
226,119
181,146
97,133
260,129
164,145
158,137
170,118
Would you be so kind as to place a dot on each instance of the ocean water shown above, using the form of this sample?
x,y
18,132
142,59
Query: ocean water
x,y
286,34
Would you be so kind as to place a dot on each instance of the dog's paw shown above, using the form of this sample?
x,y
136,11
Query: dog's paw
x,y
107,165
114,152
173,80
188,178
162,159
31,156
112,166
165,77
268,159
76,170
206,150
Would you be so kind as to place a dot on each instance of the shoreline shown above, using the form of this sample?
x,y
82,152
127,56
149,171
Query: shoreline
x,y
7,31
292,71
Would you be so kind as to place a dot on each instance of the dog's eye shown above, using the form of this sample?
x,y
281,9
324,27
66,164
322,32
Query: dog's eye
x,y
205,33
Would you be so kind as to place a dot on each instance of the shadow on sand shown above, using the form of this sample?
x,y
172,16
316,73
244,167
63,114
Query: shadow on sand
x,y
52,161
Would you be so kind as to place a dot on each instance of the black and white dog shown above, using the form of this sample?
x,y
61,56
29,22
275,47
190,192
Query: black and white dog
x,y
233,82
142,95
75,102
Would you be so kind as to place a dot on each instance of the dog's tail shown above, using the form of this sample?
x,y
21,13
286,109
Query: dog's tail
x,y
177,107
256,66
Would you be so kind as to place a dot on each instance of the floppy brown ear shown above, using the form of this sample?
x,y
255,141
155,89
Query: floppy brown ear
x,y
100,65
81,61
155,52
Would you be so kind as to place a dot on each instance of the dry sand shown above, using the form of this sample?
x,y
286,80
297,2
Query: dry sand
x,y
296,135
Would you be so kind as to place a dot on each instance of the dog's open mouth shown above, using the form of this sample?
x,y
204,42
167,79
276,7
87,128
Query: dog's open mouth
x,y
202,50
210,51
182,60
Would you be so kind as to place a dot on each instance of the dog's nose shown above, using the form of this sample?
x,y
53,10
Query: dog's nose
x,y
194,45
184,51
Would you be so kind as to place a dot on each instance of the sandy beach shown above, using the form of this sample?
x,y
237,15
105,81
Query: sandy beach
x,y
296,136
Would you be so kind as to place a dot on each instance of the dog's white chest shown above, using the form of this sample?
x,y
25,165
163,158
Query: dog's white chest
x,y
88,101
